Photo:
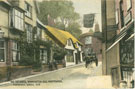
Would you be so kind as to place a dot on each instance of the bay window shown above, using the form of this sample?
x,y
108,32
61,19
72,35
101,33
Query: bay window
x,y
2,51
15,52
17,19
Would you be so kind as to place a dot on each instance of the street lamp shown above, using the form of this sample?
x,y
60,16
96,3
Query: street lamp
x,y
1,33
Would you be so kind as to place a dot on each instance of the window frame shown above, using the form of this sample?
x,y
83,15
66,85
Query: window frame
x,y
17,50
38,33
3,48
15,19
87,43
43,55
26,9
30,34
69,42
130,4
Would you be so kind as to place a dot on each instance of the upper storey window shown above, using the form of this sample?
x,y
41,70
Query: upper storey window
x,y
28,9
17,19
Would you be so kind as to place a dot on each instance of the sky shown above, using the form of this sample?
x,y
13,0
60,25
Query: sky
x,y
87,7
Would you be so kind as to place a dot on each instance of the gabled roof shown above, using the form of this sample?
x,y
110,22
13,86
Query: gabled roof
x,y
62,36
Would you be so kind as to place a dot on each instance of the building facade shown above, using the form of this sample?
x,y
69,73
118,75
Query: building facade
x,y
91,44
118,40
17,18
68,42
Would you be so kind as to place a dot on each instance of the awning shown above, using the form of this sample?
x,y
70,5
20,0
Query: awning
x,y
122,34
131,36
118,39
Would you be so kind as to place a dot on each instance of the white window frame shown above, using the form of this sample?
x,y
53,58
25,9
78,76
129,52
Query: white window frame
x,y
69,42
15,50
117,16
17,19
129,4
88,38
3,48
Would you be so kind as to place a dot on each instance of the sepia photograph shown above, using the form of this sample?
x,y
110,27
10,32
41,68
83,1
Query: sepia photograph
x,y
67,44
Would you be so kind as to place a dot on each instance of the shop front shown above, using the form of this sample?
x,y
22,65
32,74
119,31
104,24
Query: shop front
x,y
127,58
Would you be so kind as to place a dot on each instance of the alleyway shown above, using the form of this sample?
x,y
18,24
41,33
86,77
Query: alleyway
x,y
72,77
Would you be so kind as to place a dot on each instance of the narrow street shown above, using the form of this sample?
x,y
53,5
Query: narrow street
x,y
71,77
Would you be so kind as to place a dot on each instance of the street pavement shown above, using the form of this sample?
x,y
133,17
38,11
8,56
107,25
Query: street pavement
x,y
75,77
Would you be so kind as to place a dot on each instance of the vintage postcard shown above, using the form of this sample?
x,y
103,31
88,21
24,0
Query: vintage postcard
x,y
67,44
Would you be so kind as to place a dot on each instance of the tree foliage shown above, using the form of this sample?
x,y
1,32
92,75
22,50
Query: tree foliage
x,y
63,13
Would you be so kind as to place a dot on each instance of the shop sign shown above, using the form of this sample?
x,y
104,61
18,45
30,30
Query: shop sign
x,y
88,20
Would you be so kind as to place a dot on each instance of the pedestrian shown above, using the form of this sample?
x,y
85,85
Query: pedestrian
x,y
95,59
55,64
50,66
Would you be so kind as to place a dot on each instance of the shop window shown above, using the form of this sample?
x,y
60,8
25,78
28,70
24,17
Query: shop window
x,y
15,52
2,51
17,19
29,33
28,9
127,75
43,55
127,51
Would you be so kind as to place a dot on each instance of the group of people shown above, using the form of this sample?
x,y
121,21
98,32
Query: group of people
x,y
91,57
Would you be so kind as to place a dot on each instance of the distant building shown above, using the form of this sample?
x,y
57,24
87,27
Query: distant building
x,y
17,17
91,44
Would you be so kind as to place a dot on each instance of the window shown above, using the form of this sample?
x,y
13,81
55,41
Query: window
x,y
127,75
69,42
43,55
15,52
121,14
116,16
38,33
17,19
128,4
2,51
29,33
88,40
28,9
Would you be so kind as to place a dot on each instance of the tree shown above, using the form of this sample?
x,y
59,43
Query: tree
x,y
91,30
63,13
74,29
